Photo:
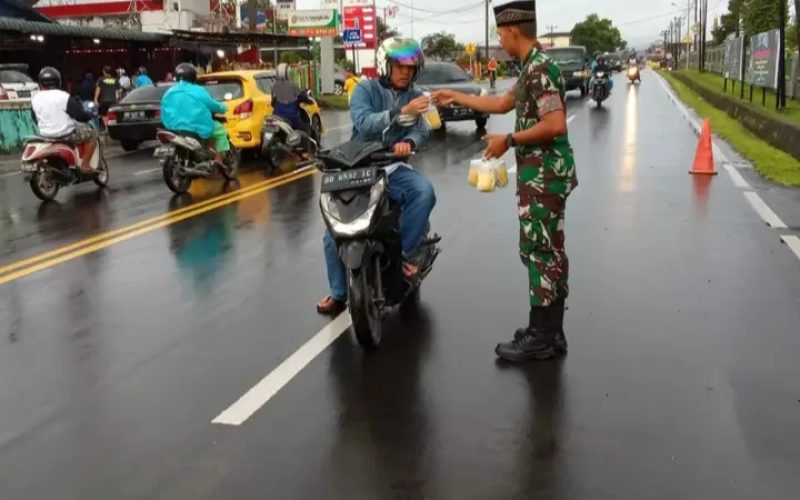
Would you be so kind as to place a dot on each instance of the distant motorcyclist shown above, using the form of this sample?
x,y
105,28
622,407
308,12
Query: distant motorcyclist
x,y
188,107
61,116
600,65
287,97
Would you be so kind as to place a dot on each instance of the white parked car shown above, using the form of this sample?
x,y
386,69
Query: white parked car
x,y
15,84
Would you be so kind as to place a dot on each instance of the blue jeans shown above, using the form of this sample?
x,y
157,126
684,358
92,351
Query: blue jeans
x,y
415,193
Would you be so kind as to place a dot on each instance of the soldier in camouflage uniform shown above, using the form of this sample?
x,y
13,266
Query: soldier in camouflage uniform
x,y
545,178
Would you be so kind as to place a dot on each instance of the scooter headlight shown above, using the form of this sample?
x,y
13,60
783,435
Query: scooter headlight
x,y
330,210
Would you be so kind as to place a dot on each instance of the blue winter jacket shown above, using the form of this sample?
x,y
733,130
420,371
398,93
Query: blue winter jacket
x,y
372,108
189,107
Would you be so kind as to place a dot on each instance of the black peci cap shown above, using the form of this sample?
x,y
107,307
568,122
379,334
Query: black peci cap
x,y
519,12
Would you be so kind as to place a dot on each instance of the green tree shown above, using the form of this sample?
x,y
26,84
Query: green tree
x,y
384,31
760,15
597,34
441,46
727,23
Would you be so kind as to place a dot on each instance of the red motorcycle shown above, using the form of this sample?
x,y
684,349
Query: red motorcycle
x,y
49,164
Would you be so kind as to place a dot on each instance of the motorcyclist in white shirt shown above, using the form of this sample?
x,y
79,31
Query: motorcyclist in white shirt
x,y
63,117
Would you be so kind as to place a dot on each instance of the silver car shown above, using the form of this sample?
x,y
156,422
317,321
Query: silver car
x,y
15,84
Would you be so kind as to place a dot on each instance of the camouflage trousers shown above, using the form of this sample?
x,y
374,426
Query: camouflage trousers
x,y
541,248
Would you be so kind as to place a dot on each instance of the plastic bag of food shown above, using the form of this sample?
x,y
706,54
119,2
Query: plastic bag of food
x,y
432,115
474,168
501,172
486,177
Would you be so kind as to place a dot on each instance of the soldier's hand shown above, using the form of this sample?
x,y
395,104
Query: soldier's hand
x,y
496,145
444,97
417,106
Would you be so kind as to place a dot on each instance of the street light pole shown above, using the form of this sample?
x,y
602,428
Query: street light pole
x,y
487,30
780,97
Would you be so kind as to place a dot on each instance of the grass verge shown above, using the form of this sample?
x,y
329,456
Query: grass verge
x,y
714,83
772,163
330,101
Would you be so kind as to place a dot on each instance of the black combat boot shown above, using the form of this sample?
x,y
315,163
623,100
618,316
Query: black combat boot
x,y
532,343
556,312
557,324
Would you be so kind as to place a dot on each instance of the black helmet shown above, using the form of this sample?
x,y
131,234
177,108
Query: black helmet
x,y
186,72
49,78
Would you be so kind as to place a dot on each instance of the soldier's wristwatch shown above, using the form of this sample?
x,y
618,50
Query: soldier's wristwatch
x,y
510,142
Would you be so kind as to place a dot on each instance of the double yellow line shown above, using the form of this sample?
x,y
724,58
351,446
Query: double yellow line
x,y
66,253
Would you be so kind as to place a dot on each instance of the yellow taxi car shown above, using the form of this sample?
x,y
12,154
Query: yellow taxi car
x,y
248,95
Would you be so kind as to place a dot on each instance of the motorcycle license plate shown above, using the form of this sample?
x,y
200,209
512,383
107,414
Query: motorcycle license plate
x,y
163,151
28,167
350,179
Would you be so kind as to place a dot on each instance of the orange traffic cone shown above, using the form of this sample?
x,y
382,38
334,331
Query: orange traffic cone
x,y
704,158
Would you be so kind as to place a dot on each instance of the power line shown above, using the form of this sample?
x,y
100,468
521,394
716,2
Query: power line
x,y
428,11
456,12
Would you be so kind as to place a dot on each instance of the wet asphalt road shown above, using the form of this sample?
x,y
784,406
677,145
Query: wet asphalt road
x,y
684,326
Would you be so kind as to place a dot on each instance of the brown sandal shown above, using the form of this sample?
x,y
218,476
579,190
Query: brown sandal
x,y
330,306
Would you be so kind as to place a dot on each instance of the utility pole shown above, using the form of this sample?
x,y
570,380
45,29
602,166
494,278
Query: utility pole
x,y
703,31
551,28
696,26
780,96
487,31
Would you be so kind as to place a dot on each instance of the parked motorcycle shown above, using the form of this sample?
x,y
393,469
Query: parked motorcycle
x,y
600,88
363,222
49,164
185,157
281,144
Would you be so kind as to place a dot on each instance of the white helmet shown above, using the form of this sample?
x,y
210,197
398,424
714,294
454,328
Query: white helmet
x,y
283,71
403,51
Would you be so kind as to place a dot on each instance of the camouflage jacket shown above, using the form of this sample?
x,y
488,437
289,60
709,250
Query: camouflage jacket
x,y
542,169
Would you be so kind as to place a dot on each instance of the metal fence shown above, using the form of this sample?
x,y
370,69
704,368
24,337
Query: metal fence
x,y
715,58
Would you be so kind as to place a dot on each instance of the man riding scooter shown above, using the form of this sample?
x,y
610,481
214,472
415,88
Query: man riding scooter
x,y
287,97
377,105
188,107
601,66
60,116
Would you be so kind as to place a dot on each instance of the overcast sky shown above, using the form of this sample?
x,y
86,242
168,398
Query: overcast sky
x,y
640,21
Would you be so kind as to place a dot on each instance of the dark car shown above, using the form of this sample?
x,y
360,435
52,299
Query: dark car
x,y
572,63
442,75
137,117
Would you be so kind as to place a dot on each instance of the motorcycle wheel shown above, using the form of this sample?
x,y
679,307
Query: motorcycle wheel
x,y
43,185
176,182
366,316
102,174
233,160
281,159
316,128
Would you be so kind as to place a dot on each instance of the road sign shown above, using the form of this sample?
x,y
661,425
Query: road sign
x,y
285,8
313,23
471,48
352,36
364,20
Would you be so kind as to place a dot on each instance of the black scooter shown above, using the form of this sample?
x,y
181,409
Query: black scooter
x,y
364,224
600,90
